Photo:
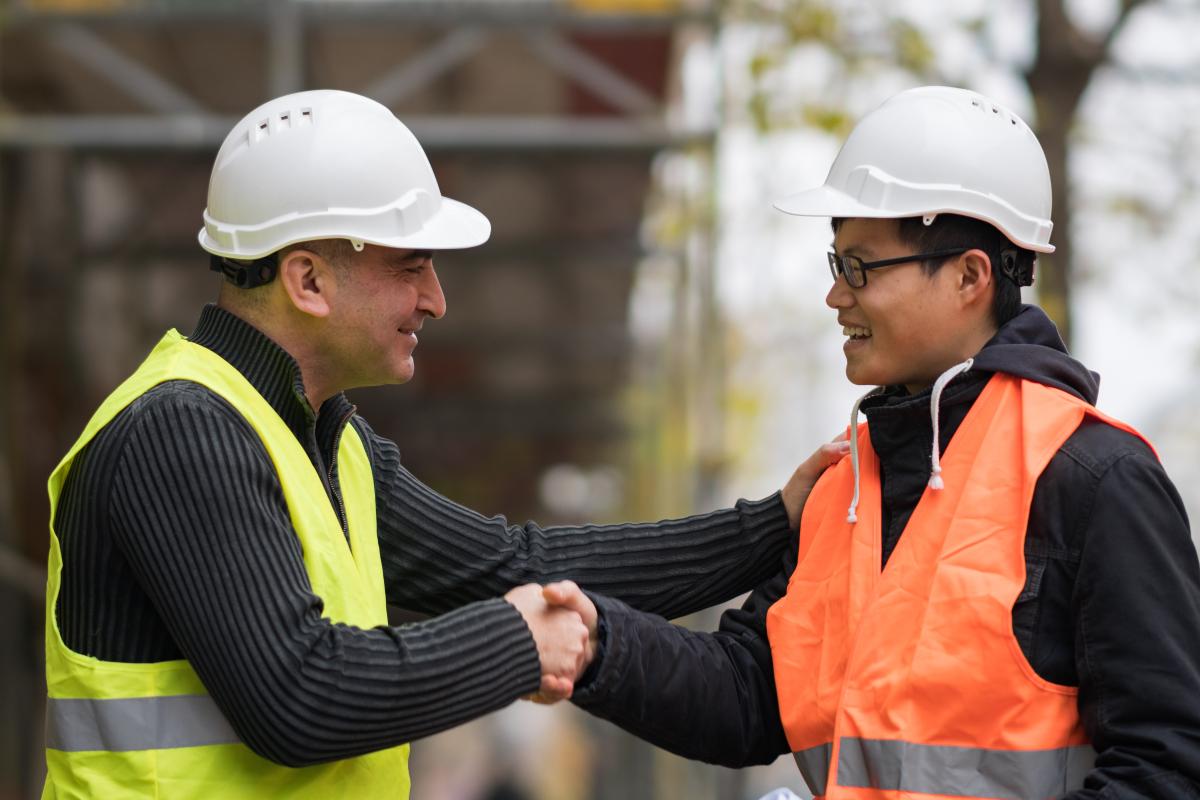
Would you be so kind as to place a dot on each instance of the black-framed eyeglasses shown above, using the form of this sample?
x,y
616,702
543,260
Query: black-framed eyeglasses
x,y
854,269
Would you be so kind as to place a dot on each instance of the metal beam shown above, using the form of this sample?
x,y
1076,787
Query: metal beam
x,y
141,83
206,132
523,132
592,73
518,14
190,131
454,48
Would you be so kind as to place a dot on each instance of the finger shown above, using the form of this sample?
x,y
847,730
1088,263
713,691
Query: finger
x,y
826,456
555,688
543,699
560,592
834,451
553,594
572,598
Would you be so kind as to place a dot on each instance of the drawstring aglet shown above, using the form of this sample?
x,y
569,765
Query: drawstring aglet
x,y
935,478
935,399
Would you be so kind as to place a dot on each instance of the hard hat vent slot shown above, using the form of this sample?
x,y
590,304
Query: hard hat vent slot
x,y
997,110
260,131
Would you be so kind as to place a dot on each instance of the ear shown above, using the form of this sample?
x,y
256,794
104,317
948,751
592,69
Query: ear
x,y
308,281
975,279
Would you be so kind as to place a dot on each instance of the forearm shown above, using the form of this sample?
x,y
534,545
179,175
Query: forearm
x,y
437,554
224,571
333,691
706,696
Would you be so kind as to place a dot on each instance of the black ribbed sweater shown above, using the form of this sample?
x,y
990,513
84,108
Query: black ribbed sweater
x,y
177,543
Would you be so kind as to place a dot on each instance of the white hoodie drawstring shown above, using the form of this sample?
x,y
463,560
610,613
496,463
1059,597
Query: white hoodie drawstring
x,y
851,514
935,475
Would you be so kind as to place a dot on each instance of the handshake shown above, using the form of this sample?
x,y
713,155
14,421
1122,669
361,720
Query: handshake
x,y
563,622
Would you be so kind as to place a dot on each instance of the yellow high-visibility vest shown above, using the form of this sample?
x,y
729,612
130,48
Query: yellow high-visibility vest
x,y
118,730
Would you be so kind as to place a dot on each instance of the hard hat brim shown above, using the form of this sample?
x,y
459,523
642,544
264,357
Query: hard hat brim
x,y
454,226
824,201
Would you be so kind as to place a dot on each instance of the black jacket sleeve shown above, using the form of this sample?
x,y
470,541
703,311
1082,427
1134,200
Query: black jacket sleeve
x,y
198,511
1136,606
707,696
438,554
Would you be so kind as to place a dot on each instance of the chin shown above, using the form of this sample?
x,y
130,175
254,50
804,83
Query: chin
x,y
404,373
865,377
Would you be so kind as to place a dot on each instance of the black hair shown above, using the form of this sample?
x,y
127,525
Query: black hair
x,y
1011,264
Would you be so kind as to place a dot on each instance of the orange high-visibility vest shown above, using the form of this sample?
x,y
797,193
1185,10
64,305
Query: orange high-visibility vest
x,y
908,682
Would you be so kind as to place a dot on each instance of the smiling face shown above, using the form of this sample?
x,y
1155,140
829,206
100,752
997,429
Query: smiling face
x,y
905,327
380,301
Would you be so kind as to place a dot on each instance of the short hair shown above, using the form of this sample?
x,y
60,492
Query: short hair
x,y
952,231
338,252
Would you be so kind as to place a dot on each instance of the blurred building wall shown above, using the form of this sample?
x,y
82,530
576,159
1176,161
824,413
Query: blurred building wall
x,y
546,116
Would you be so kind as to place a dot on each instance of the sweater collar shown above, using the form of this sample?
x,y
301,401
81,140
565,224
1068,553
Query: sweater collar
x,y
269,368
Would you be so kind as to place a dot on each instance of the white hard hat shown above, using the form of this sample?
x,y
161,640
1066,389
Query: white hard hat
x,y
328,165
939,150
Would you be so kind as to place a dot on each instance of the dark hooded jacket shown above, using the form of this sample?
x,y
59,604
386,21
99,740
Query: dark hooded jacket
x,y
1111,602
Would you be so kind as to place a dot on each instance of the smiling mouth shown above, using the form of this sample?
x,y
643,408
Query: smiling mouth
x,y
856,333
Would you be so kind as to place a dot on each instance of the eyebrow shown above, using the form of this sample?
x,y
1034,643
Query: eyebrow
x,y
865,253
415,255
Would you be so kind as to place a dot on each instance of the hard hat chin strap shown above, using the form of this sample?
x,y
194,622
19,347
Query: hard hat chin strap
x,y
1012,268
246,274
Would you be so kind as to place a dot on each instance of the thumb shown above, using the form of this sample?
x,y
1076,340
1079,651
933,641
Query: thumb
x,y
561,593
566,594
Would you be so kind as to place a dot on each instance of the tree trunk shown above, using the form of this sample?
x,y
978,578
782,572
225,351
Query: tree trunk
x,y
1066,60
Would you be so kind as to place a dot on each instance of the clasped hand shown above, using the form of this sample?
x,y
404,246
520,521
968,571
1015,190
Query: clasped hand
x,y
563,622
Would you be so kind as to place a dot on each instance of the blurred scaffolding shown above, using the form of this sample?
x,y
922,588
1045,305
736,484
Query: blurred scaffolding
x,y
554,118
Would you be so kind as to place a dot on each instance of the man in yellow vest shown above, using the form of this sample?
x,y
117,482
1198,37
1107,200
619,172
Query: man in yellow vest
x,y
227,531
997,595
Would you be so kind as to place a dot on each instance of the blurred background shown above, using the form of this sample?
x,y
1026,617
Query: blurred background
x,y
643,336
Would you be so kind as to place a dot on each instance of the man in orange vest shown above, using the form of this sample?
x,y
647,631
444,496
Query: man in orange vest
x,y
997,595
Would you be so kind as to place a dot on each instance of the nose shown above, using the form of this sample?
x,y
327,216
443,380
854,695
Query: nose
x,y
432,300
840,294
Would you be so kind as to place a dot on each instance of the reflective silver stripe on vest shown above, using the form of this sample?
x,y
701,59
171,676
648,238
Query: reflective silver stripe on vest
x,y
136,723
814,766
962,771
